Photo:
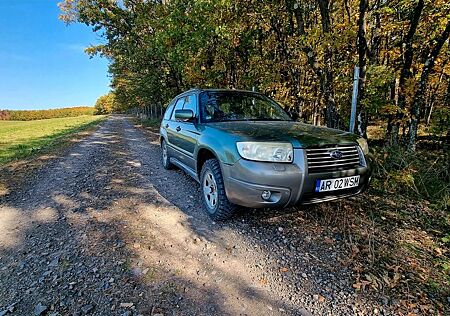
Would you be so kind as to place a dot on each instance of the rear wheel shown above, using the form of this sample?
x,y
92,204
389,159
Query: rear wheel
x,y
214,197
165,159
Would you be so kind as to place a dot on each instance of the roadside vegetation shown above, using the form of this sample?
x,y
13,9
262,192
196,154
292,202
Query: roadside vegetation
x,y
398,233
20,139
30,115
150,123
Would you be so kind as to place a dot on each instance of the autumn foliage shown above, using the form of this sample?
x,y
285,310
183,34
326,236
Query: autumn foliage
x,y
29,115
302,53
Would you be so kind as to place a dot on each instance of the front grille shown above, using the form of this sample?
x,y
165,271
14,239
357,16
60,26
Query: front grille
x,y
320,159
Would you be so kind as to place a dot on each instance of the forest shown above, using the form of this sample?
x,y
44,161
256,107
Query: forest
x,y
301,53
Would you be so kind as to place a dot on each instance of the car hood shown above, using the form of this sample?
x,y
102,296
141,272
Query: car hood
x,y
301,135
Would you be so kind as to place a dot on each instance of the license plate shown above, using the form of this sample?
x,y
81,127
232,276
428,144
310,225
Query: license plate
x,y
337,184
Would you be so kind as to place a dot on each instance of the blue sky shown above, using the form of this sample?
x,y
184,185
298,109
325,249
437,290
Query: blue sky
x,y
42,62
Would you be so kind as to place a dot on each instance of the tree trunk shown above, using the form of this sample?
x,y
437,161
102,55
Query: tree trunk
x,y
432,95
347,9
325,74
406,69
361,126
447,94
374,52
419,97
332,115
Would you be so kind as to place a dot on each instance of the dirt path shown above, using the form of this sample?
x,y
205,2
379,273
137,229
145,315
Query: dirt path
x,y
105,230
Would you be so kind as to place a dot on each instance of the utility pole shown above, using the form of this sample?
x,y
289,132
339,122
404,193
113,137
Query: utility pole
x,y
354,99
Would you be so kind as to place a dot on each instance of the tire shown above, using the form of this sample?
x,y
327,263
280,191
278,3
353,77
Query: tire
x,y
212,187
165,158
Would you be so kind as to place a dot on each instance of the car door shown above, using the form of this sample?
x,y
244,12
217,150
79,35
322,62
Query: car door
x,y
172,128
188,132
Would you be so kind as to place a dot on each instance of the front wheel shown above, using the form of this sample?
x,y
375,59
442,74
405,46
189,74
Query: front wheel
x,y
165,159
214,198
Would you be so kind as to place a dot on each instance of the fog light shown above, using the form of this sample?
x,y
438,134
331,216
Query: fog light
x,y
266,195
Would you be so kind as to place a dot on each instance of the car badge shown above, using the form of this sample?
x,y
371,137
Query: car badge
x,y
336,154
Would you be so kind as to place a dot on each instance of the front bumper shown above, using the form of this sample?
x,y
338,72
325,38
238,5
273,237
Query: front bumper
x,y
290,183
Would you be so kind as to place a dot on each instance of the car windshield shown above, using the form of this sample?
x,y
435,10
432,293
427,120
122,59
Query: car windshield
x,y
219,106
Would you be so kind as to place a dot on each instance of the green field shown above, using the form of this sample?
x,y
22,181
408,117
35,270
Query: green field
x,y
20,139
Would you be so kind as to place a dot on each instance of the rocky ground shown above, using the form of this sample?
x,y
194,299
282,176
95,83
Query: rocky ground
x,y
105,230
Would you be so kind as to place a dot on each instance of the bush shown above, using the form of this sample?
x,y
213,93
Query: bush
x,y
45,114
421,175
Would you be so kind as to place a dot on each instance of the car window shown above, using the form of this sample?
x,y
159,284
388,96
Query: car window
x,y
190,104
178,106
169,111
219,106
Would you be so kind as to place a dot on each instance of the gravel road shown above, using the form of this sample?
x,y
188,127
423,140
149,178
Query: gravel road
x,y
105,230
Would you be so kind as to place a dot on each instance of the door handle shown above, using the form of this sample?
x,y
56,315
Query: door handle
x,y
167,125
178,128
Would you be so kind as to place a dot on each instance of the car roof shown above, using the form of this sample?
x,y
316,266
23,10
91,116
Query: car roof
x,y
199,90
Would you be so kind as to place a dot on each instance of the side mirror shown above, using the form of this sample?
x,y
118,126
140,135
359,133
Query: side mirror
x,y
184,115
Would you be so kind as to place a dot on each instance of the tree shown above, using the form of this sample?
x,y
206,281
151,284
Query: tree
x,y
420,94
106,104
361,126
301,53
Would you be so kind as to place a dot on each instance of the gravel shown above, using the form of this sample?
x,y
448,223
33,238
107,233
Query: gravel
x,y
103,229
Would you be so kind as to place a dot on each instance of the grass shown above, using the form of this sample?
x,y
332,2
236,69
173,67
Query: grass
x,y
151,123
21,139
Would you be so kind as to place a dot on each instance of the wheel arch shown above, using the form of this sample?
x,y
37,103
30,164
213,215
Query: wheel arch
x,y
203,155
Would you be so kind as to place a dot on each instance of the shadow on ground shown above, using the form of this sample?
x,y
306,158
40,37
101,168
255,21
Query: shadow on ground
x,y
91,234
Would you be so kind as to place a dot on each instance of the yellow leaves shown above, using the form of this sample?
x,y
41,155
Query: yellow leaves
x,y
438,251
266,27
410,87
389,108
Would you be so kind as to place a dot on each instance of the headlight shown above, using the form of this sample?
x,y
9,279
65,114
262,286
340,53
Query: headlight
x,y
265,151
363,144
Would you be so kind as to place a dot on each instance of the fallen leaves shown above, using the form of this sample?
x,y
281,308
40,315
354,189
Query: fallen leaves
x,y
328,241
438,251
391,282
370,280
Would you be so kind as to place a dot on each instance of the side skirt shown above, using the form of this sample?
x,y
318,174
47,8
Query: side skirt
x,y
185,168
